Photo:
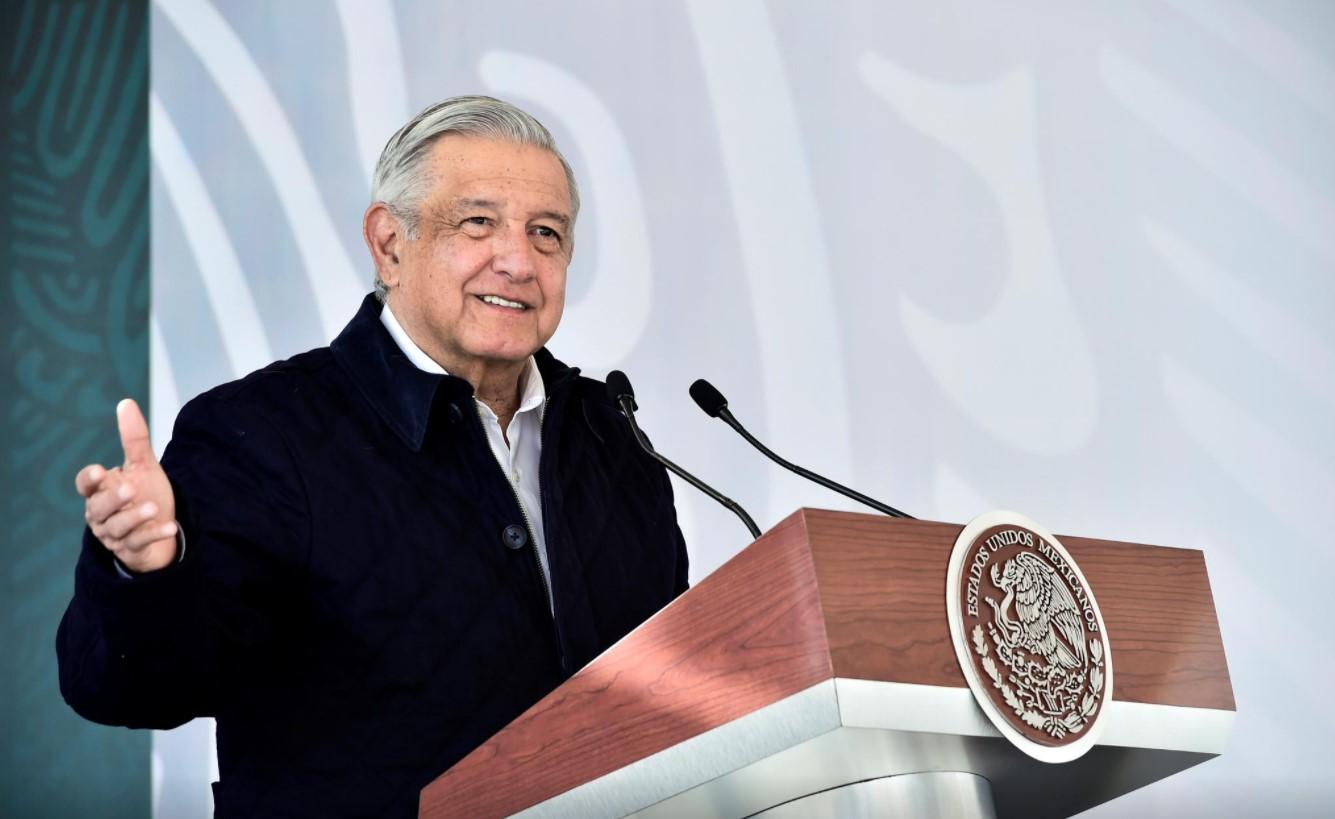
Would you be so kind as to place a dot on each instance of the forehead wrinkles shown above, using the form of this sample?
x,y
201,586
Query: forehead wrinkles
x,y
476,185
504,192
458,162
499,191
514,182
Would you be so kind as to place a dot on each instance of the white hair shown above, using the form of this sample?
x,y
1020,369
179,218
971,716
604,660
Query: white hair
x,y
400,180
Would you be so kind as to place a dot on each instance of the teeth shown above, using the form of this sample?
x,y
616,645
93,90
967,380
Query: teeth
x,y
497,300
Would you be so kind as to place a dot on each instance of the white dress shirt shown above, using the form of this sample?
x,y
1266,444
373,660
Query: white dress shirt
x,y
518,459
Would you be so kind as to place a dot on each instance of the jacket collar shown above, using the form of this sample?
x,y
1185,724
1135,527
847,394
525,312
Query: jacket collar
x,y
401,393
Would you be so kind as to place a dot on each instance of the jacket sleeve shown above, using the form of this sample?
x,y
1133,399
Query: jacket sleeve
x,y
200,636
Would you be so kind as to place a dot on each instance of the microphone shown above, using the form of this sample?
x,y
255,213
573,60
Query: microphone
x,y
623,395
716,406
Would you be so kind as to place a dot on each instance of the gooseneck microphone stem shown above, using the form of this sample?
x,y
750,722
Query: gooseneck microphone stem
x,y
626,407
715,405
620,390
726,415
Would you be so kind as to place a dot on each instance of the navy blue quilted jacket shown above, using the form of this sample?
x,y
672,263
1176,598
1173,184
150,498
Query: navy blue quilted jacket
x,y
354,606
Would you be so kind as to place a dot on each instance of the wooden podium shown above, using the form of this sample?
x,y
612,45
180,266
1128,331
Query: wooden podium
x,y
820,656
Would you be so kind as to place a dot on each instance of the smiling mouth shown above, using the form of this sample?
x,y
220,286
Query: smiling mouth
x,y
500,302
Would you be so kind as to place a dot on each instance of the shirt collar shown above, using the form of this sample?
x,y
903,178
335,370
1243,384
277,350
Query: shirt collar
x,y
409,347
534,393
403,394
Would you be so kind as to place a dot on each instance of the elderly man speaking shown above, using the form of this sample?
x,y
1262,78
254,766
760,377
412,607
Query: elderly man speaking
x,y
366,559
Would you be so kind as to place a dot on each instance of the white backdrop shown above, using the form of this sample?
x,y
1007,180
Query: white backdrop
x,y
1073,259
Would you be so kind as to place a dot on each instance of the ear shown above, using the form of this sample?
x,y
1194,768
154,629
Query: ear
x,y
384,238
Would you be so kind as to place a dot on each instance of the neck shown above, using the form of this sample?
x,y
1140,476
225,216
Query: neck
x,y
497,387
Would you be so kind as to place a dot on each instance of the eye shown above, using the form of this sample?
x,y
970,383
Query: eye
x,y
475,226
546,234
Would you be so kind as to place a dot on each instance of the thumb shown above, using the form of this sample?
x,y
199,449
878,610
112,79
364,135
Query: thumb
x,y
134,434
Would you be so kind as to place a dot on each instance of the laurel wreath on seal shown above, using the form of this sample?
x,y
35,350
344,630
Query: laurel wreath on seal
x,y
1057,727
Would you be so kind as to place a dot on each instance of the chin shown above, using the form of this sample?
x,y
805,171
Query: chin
x,y
509,353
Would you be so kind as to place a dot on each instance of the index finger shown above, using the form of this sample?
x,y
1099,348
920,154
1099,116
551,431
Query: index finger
x,y
89,479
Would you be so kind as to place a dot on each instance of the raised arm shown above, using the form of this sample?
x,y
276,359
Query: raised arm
x,y
157,640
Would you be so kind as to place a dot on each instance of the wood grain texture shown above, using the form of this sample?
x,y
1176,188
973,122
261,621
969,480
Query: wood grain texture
x,y
822,594
882,587
748,635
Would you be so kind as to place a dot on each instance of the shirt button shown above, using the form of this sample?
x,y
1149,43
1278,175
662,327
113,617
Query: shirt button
x,y
514,537
519,474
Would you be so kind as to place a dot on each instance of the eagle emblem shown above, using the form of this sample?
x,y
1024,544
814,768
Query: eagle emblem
x,y
1049,622
1029,635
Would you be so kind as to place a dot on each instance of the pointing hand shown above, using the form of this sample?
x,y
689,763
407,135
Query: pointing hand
x,y
131,508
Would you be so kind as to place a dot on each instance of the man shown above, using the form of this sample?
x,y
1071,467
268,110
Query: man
x,y
365,560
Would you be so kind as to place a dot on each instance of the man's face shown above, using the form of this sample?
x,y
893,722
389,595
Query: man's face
x,y
485,281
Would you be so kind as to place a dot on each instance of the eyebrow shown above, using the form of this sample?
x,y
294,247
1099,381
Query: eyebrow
x,y
554,215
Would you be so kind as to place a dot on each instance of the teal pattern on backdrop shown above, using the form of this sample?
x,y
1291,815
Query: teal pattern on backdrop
x,y
75,238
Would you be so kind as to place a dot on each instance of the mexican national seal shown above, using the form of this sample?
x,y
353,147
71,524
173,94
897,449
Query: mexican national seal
x,y
1029,636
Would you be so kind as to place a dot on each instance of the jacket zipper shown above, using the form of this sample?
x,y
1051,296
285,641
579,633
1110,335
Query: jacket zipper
x,y
514,490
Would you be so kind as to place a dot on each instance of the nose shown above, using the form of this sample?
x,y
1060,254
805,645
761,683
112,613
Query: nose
x,y
513,255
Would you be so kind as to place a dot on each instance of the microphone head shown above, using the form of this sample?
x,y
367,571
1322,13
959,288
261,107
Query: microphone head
x,y
618,387
709,399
